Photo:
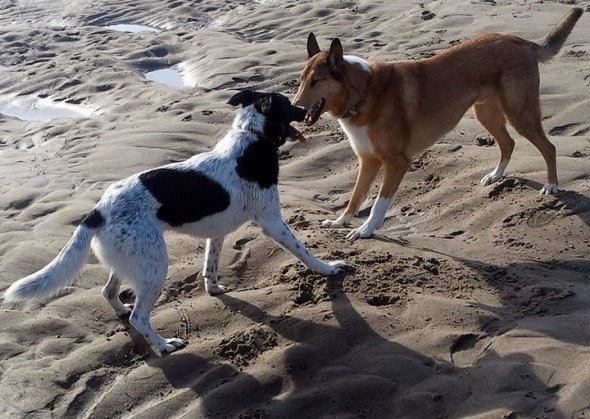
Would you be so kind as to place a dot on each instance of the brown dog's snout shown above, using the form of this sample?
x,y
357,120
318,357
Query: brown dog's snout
x,y
298,100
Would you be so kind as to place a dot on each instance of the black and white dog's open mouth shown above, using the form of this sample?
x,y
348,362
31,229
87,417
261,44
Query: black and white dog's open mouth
x,y
295,135
299,115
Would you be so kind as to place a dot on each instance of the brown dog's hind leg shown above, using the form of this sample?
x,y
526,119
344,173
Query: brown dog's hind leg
x,y
491,116
537,136
524,114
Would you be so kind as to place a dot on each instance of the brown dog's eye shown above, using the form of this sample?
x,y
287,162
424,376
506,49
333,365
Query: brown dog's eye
x,y
314,82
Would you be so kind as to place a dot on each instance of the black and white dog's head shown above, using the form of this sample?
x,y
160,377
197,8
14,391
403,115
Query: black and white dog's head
x,y
271,117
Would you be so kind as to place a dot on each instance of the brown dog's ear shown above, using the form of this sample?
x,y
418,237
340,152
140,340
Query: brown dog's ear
x,y
312,45
335,56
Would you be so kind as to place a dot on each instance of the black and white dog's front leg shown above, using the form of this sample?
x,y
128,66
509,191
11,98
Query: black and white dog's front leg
x,y
275,228
211,264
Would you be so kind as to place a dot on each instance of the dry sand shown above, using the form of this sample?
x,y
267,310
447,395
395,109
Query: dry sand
x,y
470,301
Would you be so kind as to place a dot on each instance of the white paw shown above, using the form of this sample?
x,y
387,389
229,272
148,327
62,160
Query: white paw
x,y
362,232
331,268
491,178
337,223
172,345
337,266
216,289
549,189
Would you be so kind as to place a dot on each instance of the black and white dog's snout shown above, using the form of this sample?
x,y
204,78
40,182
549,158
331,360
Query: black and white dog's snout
x,y
298,113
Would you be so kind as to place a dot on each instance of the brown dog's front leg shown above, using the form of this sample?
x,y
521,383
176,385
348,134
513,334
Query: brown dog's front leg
x,y
368,168
395,169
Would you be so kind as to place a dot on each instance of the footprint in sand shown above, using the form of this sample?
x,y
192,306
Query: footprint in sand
x,y
504,186
240,243
572,129
562,129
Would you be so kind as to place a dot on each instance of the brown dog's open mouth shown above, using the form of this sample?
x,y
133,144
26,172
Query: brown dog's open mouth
x,y
315,112
294,135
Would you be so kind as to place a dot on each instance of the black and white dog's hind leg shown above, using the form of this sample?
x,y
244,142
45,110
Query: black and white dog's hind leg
x,y
139,314
139,255
140,320
110,292
145,299
210,268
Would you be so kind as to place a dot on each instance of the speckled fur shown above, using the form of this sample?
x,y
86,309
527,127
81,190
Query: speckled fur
x,y
126,229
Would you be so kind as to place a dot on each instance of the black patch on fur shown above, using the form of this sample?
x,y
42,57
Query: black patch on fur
x,y
186,196
244,98
278,112
94,220
260,164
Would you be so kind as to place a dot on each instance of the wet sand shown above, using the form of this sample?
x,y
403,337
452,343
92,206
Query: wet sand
x,y
470,301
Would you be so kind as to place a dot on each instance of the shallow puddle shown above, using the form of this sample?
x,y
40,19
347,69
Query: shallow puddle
x,y
132,28
32,108
168,77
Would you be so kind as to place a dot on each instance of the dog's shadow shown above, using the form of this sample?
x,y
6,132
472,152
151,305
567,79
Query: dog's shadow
x,y
184,370
565,202
318,372
318,347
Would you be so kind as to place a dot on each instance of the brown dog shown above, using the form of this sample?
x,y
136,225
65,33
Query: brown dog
x,y
393,111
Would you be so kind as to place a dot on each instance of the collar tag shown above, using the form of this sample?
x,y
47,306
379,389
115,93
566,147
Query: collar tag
x,y
351,112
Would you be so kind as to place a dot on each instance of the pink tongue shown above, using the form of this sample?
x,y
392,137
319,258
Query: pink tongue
x,y
294,133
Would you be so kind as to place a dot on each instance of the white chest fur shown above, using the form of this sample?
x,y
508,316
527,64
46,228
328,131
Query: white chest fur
x,y
358,137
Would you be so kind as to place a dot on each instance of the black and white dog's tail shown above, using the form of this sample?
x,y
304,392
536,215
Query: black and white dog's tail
x,y
61,271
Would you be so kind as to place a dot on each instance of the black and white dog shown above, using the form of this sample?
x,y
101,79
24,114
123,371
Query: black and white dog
x,y
209,195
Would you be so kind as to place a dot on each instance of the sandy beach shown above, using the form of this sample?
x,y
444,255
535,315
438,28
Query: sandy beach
x,y
470,301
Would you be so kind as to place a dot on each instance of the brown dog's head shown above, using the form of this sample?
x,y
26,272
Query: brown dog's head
x,y
330,82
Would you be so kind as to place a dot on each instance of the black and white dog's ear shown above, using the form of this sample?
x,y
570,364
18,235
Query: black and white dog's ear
x,y
244,98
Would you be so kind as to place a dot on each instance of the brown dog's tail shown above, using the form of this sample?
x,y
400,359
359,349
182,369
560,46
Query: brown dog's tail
x,y
558,35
